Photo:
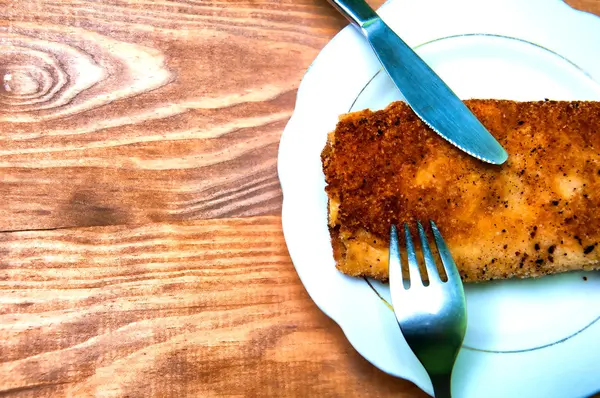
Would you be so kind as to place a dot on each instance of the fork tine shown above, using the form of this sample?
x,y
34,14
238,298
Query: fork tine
x,y
449,265
432,271
413,265
395,265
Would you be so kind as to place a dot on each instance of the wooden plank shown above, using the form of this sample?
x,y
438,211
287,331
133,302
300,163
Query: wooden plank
x,y
142,111
198,308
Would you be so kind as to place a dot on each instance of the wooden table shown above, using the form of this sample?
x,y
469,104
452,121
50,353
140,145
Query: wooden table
x,y
141,251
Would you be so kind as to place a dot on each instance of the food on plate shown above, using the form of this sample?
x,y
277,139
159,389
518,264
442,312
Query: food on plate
x,y
537,214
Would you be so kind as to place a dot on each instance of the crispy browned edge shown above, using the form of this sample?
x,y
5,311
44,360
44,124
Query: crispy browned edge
x,y
339,250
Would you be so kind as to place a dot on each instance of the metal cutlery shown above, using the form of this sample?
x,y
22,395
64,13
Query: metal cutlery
x,y
431,99
432,317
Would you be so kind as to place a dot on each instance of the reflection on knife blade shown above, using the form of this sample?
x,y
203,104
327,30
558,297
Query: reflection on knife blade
x,y
430,98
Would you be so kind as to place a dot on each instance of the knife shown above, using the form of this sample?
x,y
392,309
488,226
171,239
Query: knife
x,y
429,97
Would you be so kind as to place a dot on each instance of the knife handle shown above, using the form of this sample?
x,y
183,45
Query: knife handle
x,y
356,11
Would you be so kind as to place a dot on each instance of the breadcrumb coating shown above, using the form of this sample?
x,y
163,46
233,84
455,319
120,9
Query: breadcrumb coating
x,y
537,214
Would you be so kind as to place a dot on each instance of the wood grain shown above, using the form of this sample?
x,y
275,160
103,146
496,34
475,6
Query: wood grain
x,y
198,308
141,111
125,127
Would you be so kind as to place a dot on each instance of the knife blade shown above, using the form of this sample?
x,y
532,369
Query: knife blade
x,y
425,92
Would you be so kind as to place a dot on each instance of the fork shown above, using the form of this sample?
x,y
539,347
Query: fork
x,y
433,317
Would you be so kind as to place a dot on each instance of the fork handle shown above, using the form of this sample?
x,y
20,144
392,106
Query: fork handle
x,y
441,385
356,11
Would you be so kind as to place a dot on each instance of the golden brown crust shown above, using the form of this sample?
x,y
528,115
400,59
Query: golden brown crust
x,y
537,214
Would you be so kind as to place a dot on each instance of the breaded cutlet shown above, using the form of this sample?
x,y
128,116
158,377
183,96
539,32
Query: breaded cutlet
x,y
537,214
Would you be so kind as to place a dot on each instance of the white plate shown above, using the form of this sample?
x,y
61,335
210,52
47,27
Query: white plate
x,y
524,338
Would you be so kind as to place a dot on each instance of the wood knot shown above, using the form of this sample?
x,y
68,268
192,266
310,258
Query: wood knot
x,y
47,72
